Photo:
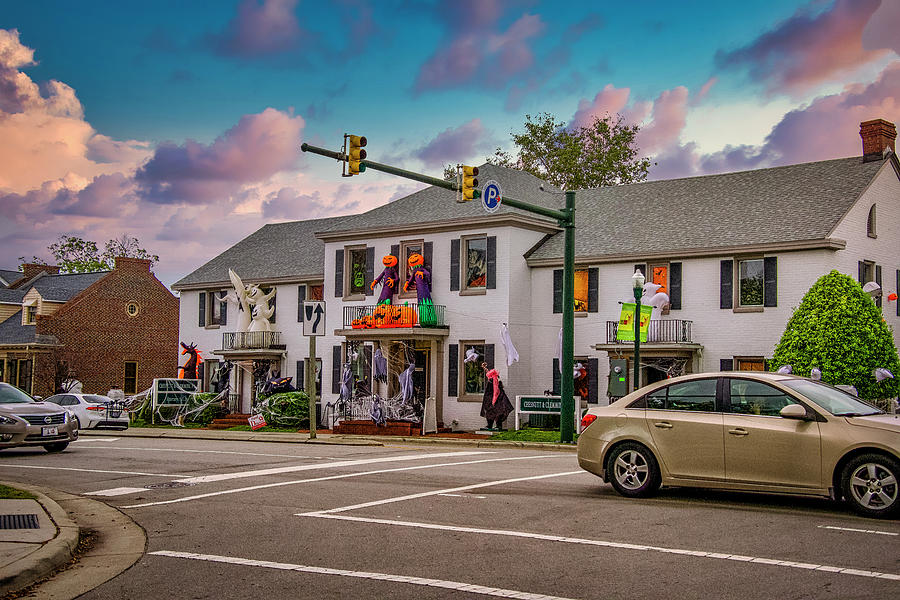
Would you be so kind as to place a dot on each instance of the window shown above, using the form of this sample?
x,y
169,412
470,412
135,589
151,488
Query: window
x,y
475,253
407,249
473,374
23,374
129,385
355,269
315,292
132,309
581,290
750,364
584,293
659,274
750,282
870,223
698,395
213,308
30,315
755,398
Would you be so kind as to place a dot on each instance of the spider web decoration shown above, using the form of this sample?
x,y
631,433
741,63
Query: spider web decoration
x,y
672,367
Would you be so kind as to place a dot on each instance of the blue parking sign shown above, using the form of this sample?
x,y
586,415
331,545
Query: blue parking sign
x,y
491,196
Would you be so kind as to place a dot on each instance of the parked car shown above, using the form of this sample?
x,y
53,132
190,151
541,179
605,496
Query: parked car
x,y
93,411
760,432
25,421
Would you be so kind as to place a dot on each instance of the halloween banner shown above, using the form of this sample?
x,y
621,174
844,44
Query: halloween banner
x,y
625,332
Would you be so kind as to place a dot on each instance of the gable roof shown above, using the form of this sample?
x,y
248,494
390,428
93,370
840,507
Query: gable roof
x,y
11,296
13,332
7,276
779,205
59,288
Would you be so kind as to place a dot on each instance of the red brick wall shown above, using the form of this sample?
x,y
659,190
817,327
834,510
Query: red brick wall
x,y
98,336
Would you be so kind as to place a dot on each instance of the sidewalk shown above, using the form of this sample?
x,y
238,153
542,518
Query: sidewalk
x,y
323,438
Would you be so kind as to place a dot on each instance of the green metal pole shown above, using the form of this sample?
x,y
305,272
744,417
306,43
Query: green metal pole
x,y
567,381
311,386
638,293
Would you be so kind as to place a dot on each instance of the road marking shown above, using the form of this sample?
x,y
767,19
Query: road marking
x,y
463,496
858,530
436,583
474,486
295,456
617,545
119,491
93,470
341,476
96,439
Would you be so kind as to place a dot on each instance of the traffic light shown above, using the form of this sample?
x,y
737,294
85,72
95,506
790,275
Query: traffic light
x,y
469,182
355,153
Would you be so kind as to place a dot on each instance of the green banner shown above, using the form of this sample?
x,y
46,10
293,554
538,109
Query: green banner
x,y
625,331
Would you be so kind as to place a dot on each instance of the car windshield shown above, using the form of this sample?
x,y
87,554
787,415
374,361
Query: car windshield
x,y
835,401
92,399
10,394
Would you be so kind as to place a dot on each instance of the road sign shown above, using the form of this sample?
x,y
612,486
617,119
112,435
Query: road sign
x,y
313,317
491,196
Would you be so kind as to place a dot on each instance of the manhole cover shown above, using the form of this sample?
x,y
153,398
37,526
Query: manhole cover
x,y
168,484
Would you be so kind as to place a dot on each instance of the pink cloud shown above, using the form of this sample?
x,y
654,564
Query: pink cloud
x,y
260,29
809,47
454,144
704,91
668,119
610,101
882,29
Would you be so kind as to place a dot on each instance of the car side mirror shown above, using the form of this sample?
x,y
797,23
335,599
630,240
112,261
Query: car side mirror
x,y
794,411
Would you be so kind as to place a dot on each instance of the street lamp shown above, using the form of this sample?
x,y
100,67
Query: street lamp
x,y
637,283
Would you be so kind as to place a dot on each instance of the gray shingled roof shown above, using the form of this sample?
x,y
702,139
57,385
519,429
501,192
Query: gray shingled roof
x,y
8,276
59,288
775,205
13,332
15,296
277,250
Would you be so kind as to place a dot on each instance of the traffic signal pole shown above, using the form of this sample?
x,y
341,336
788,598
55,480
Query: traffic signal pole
x,y
566,219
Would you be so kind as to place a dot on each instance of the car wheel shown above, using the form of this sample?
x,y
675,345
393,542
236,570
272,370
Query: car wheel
x,y
869,483
56,447
633,471
78,422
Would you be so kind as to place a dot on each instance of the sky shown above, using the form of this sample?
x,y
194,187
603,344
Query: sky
x,y
180,123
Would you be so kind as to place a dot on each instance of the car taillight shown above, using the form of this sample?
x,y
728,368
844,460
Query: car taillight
x,y
587,420
96,408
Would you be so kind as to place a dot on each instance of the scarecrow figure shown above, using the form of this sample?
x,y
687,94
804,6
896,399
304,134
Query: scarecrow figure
x,y
388,278
495,405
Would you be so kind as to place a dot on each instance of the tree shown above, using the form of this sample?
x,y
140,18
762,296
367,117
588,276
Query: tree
x,y
838,329
576,157
75,255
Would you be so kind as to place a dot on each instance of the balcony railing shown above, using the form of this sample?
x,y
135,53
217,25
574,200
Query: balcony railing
x,y
252,340
384,316
668,331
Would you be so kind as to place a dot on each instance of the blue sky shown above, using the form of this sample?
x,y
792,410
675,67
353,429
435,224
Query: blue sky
x,y
179,122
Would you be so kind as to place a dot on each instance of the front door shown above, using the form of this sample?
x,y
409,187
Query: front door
x,y
421,383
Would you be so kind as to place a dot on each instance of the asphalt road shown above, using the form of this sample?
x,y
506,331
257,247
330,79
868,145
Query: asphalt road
x,y
267,520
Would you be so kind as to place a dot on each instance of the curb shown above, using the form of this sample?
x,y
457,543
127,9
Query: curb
x,y
51,556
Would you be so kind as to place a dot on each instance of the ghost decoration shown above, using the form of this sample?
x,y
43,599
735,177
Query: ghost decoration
x,y
785,370
471,355
815,374
872,289
881,374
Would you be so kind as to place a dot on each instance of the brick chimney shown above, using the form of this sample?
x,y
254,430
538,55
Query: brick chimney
x,y
29,270
877,135
141,265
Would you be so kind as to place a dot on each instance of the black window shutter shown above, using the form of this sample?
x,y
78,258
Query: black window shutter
x,y
770,281
489,356
557,290
336,370
642,268
556,374
395,252
339,273
726,364
301,296
862,272
273,302
454,265
370,269
492,262
223,309
726,284
202,320
428,251
301,372
878,281
898,290
675,286
453,369
593,289
593,372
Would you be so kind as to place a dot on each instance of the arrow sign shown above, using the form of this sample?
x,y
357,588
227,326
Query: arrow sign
x,y
314,318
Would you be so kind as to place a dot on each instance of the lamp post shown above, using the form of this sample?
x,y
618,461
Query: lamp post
x,y
637,283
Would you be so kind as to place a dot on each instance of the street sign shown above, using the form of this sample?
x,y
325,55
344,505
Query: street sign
x,y
313,318
491,196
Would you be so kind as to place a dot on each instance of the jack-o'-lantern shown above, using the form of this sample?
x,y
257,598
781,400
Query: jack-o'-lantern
x,y
416,260
389,261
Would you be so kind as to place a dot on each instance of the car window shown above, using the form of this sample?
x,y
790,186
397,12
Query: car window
x,y
835,401
10,394
697,395
55,400
755,398
95,399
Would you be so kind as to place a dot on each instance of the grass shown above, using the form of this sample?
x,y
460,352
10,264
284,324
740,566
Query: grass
x,y
8,493
529,435
266,428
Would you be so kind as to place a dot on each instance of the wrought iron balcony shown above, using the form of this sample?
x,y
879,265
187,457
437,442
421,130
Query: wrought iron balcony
x,y
252,340
383,316
664,331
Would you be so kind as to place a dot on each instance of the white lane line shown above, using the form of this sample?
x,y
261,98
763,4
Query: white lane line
x,y
119,491
618,545
187,451
437,583
463,496
463,488
858,530
341,476
342,463
96,439
94,471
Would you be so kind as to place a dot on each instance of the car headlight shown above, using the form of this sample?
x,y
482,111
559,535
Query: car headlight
x,y
7,420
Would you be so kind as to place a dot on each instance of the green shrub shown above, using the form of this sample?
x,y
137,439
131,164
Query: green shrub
x,y
206,416
287,409
838,329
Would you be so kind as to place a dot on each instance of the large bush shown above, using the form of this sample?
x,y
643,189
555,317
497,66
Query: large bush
x,y
287,409
838,329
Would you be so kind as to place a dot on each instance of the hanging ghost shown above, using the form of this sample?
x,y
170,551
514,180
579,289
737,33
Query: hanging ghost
x,y
471,355
815,374
872,289
380,364
512,355
881,374
377,412
407,391
785,369
388,278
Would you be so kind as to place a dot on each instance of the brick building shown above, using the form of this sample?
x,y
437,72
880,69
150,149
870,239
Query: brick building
x,y
115,329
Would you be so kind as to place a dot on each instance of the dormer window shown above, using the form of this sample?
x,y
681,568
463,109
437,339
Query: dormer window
x,y
29,312
870,223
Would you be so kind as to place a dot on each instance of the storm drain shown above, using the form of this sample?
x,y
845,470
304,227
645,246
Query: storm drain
x,y
168,484
19,522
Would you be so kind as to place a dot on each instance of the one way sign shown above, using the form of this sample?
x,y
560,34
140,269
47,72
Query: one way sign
x,y
313,318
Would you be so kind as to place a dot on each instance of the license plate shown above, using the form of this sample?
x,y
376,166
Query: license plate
x,y
50,431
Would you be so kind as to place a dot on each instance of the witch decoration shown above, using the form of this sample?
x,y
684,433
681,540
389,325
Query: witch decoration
x,y
421,278
495,405
388,279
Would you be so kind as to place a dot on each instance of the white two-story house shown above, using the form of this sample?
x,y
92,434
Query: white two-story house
x,y
735,253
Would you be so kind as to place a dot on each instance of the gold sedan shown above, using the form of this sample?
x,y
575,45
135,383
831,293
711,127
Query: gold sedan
x,y
758,432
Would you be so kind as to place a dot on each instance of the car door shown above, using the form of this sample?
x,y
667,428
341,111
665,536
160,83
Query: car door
x,y
686,426
764,448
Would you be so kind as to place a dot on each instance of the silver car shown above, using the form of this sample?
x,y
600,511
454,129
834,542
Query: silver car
x,y
93,411
26,422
